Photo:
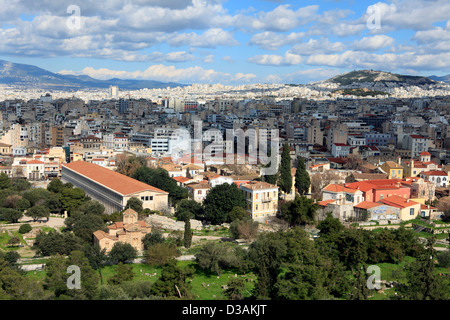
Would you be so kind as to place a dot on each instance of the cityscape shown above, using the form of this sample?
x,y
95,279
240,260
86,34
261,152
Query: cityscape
x,y
244,186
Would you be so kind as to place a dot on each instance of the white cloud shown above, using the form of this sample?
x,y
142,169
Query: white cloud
x,y
209,39
269,40
373,43
313,46
276,60
165,73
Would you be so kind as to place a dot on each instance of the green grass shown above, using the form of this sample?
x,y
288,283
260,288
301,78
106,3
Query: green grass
x,y
5,237
208,285
387,268
205,285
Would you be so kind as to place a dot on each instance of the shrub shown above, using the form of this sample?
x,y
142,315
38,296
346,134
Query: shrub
x,y
25,228
444,259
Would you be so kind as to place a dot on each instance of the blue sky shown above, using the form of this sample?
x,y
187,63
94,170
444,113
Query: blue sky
x,y
230,42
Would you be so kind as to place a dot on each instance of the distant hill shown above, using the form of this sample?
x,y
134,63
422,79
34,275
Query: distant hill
x,y
29,76
443,78
377,76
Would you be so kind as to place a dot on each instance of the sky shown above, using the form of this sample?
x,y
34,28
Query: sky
x,y
231,42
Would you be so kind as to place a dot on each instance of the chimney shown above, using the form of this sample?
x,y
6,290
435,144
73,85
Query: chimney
x,y
407,200
399,160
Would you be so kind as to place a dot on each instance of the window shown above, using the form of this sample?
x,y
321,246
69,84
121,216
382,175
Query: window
x,y
411,211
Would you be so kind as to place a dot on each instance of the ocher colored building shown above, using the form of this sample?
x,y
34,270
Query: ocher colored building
x,y
262,200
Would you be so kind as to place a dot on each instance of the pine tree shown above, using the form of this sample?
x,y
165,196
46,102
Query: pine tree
x,y
302,180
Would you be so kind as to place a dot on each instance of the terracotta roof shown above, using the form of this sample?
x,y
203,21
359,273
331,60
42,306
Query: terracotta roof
x,y
113,180
199,186
181,179
434,173
100,234
398,202
254,185
339,188
116,225
424,153
424,206
35,162
415,136
324,203
367,205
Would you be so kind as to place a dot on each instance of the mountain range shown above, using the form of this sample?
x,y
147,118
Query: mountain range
x,y
24,76
31,77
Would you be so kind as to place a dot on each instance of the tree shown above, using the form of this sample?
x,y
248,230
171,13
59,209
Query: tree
x,y
216,256
300,211
5,182
38,212
122,252
160,254
20,185
192,207
89,278
235,289
172,283
56,275
37,196
238,213
53,243
92,207
97,257
423,283
302,180
187,233
153,237
221,200
123,273
55,186
11,201
289,266
84,225
285,181
244,229
14,286
23,204
10,215
72,198
330,226
135,204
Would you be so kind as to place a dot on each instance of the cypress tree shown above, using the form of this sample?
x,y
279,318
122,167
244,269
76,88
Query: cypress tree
x,y
285,182
302,180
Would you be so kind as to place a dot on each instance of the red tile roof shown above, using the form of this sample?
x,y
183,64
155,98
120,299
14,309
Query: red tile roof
x,y
367,205
324,203
424,154
398,202
113,180
434,173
